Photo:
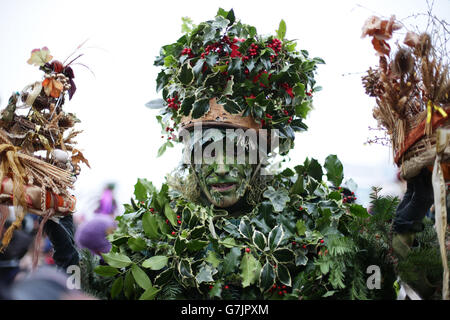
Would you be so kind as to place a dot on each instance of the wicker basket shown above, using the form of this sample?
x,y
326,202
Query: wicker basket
x,y
419,150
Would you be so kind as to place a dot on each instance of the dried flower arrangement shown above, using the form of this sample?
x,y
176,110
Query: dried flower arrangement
x,y
412,88
36,144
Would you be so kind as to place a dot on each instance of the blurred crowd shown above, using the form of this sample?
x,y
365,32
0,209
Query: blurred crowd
x,y
28,270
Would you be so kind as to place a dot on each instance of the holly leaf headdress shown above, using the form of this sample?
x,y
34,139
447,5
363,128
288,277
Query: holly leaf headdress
x,y
265,77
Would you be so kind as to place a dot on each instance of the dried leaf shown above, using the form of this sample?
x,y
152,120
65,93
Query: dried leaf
x,y
39,57
52,87
380,30
77,157
381,46
411,39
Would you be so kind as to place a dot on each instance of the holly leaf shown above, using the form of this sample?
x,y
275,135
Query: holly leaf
x,y
150,225
231,260
39,57
266,277
201,106
205,274
275,237
284,275
186,74
250,269
334,170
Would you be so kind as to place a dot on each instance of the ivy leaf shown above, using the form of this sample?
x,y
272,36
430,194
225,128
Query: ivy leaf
x,y
205,274
266,277
116,287
186,74
281,32
275,237
155,262
137,244
259,240
201,106
140,277
150,225
106,271
116,260
231,260
284,275
250,269
334,170
278,198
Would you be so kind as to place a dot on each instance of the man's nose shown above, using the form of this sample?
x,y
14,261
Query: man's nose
x,y
222,169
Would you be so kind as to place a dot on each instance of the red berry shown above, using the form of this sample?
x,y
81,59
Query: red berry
x,y
247,249
226,287
179,222
294,243
151,209
321,241
304,246
173,233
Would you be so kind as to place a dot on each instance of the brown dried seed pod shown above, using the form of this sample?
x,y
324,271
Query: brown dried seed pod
x,y
403,62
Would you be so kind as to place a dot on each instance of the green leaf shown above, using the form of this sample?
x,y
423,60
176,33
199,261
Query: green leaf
x,y
303,109
315,170
228,242
250,270
284,255
245,228
142,188
150,225
301,227
211,59
179,245
196,245
200,108
299,90
229,87
155,104
137,244
164,277
140,277
170,214
186,105
116,287
231,260
281,32
298,187
185,269
359,211
106,271
278,198
335,170
149,294
205,274
284,275
186,74
198,67
266,277
212,259
116,260
235,66
231,106
259,240
128,285
170,61
155,262
300,259
275,237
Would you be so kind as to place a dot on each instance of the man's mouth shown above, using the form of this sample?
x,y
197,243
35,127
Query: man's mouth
x,y
221,187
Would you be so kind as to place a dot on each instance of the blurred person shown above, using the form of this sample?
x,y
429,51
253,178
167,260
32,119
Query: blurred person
x,y
107,205
92,234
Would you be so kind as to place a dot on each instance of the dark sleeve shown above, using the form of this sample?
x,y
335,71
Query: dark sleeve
x,y
61,236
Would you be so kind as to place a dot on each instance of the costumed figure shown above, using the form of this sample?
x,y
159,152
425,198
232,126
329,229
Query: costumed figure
x,y
229,223
39,163
412,88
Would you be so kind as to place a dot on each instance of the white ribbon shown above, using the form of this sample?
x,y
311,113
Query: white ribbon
x,y
440,204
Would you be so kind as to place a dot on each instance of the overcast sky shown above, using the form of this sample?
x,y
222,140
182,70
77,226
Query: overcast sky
x,y
121,136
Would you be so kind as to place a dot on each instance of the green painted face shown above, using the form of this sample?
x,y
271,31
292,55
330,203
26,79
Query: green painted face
x,y
226,178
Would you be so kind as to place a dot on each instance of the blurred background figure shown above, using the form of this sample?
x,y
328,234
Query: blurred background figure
x,y
107,205
92,234
45,283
